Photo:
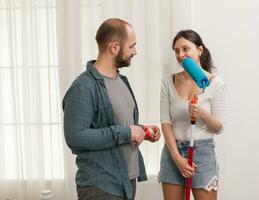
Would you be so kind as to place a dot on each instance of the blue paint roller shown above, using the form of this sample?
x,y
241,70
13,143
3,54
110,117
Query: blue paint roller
x,y
202,81
195,72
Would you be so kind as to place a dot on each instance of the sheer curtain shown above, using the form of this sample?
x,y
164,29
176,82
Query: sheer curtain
x,y
31,144
45,44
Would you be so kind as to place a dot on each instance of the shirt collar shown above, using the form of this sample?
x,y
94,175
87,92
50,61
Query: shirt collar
x,y
94,71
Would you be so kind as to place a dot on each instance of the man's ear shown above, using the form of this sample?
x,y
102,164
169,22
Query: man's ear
x,y
114,48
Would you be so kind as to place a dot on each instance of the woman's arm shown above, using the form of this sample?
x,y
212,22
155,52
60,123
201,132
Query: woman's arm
x,y
168,132
181,162
214,121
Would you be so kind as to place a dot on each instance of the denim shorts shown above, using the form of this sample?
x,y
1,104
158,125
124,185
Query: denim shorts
x,y
206,173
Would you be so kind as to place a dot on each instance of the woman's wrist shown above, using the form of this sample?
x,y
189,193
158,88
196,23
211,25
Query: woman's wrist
x,y
176,156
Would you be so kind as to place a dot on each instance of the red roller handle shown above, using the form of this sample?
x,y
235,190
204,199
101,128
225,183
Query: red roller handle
x,y
189,180
190,156
190,160
194,101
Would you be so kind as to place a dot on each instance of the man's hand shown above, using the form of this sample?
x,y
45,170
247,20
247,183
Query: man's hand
x,y
156,131
137,134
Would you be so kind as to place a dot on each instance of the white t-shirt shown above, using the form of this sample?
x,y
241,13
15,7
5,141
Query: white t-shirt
x,y
174,110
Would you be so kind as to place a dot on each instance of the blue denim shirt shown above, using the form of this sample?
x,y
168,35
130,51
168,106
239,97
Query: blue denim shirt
x,y
92,134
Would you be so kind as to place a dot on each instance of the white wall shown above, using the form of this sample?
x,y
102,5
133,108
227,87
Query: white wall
x,y
231,30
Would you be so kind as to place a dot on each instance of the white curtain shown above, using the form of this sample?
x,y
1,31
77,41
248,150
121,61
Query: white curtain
x,y
45,44
31,140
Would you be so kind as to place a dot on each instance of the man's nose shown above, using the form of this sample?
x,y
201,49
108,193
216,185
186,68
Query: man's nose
x,y
134,51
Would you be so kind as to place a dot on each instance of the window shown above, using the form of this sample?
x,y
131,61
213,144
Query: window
x,y
30,123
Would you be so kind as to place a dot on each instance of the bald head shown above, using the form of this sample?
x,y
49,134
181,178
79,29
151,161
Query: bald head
x,y
113,29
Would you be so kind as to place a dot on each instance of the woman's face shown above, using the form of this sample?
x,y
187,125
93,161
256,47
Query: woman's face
x,y
184,48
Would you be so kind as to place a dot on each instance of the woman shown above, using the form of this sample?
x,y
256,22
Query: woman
x,y
176,110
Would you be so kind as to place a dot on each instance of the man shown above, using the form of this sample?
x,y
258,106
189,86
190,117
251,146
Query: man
x,y
101,120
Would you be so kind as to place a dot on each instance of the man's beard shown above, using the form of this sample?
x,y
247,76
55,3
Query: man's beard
x,y
120,62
